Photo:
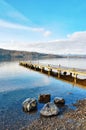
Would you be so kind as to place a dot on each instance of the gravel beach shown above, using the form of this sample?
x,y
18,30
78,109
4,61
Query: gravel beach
x,y
68,120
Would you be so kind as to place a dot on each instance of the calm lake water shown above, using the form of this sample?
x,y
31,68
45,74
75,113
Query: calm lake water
x,y
18,83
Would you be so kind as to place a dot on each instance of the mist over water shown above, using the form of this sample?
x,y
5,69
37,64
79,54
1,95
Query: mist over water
x,y
18,83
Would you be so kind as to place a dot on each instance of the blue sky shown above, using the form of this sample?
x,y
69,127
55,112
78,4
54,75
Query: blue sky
x,y
48,26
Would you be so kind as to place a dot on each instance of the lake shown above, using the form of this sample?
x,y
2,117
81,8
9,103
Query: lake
x,y
18,83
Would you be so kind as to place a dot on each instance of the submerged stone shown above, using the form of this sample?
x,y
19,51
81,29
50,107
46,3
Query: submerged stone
x,y
29,104
44,98
59,101
49,109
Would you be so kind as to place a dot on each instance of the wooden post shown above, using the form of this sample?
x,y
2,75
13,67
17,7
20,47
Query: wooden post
x,y
30,66
49,71
35,67
75,78
41,69
59,73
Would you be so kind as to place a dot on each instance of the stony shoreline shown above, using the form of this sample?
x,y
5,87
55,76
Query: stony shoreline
x,y
69,120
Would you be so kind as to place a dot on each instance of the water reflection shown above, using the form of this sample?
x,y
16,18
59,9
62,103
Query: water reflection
x,y
18,83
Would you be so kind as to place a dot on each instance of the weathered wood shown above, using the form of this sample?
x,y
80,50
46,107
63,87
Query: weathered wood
x,y
51,68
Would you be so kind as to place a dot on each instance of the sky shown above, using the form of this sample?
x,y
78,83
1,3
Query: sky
x,y
46,26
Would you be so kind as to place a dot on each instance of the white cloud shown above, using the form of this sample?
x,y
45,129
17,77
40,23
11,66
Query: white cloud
x,y
9,25
78,36
47,33
18,28
21,22
10,12
18,15
75,44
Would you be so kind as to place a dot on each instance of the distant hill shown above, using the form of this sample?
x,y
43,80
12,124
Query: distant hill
x,y
12,55
75,56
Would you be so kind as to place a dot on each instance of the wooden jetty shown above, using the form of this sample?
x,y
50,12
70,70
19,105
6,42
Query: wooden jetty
x,y
56,70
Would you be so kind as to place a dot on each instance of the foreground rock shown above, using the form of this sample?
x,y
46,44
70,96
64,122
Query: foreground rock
x,y
59,101
29,104
49,109
71,120
44,98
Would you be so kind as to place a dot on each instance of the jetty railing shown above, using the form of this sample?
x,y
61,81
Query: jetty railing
x,y
74,72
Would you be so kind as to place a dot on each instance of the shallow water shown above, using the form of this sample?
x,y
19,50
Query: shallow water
x,y
18,83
